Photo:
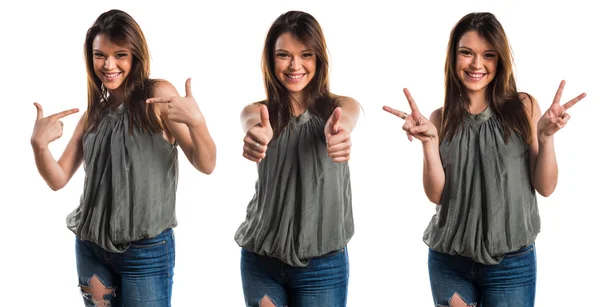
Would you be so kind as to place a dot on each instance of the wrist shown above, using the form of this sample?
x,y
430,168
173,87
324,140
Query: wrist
x,y
544,139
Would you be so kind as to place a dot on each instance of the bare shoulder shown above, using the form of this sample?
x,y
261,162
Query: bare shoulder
x,y
529,102
436,117
163,87
253,107
347,103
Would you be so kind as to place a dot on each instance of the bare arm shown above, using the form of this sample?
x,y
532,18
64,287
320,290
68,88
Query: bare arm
x,y
419,127
434,177
250,116
542,157
186,123
350,113
56,173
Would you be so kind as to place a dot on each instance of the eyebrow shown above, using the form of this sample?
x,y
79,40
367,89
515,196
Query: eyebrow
x,y
282,50
118,51
465,47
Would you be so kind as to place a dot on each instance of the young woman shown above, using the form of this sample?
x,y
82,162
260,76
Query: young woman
x,y
300,219
128,145
486,153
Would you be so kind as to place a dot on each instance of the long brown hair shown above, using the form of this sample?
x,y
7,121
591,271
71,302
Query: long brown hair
x,y
319,99
121,29
501,93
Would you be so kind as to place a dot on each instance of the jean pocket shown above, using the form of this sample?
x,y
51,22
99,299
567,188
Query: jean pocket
x,y
147,243
521,252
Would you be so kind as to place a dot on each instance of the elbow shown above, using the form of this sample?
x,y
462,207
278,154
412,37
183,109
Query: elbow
x,y
208,167
545,191
434,199
55,187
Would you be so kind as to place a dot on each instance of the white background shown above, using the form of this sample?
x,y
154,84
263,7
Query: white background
x,y
376,49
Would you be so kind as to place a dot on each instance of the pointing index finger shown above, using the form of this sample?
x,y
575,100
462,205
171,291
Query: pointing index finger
x,y
159,100
62,114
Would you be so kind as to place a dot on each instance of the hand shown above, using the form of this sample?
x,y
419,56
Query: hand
x,y
415,125
337,138
258,137
48,129
556,117
183,110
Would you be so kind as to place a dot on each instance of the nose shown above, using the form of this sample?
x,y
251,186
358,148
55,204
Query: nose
x,y
476,62
295,63
109,63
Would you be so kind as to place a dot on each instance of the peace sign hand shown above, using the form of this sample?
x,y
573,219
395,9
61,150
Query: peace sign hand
x,y
183,110
556,117
415,125
48,129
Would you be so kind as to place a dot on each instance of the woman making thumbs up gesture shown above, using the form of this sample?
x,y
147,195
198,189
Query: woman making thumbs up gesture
x,y
128,145
300,218
486,153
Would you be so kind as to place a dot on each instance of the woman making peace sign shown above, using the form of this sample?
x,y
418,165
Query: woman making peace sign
x,y
486,153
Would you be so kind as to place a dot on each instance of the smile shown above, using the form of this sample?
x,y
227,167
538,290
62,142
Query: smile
x,y
111,76
295,77
475,76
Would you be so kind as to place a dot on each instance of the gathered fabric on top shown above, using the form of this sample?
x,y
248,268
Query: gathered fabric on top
x,y
302,207
488,206
130,184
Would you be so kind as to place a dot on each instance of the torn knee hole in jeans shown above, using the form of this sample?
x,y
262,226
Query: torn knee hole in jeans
x,y
266,301
457,301
97,293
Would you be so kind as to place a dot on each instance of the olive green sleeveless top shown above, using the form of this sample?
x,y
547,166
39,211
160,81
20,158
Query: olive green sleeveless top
x,y
302,207
488,205
130,184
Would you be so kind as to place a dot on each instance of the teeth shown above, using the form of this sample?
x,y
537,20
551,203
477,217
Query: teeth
x,y
112,75
475,75
295,76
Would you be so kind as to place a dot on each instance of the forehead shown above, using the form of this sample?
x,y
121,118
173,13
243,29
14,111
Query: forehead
x,y
472,39
102,42
287,41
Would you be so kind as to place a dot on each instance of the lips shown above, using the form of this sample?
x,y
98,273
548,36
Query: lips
x,y
111,76
475,76
294,77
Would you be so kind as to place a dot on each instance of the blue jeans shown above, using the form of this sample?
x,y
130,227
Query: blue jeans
x,y
508,283
141,276
323,283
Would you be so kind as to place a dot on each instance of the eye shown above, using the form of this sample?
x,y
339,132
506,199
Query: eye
x,y
307,54
282,55
489,55
464,52
121,55
98,55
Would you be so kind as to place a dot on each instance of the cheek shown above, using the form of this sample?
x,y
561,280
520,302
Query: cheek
x,y
280,66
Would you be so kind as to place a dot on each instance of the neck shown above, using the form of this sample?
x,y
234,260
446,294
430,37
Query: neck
x,y
117,98
477,102
298,103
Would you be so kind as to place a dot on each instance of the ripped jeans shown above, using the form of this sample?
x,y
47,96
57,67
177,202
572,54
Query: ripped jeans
x,y
510,283
323,283
141,276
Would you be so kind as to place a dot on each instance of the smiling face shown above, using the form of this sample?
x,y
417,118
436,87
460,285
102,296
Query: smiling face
x,y
476,62
295,64
112,63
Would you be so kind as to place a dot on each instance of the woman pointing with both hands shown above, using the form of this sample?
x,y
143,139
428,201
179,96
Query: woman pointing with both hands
x,y
128,145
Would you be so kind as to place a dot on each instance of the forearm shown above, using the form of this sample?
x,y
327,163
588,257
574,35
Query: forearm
x,y
433,172
204,151
546,168
49,168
